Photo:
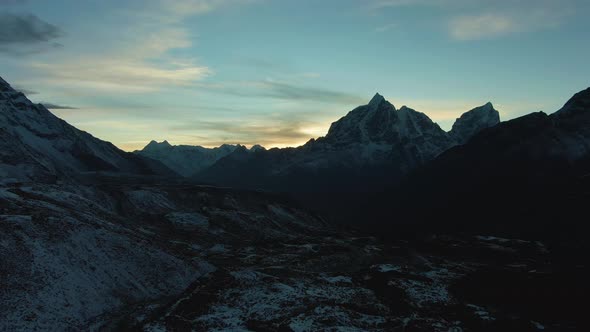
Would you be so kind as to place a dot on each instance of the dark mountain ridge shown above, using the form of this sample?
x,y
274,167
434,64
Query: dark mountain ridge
x,y
527,177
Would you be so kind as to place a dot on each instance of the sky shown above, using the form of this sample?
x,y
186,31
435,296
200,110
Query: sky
x,y
278,72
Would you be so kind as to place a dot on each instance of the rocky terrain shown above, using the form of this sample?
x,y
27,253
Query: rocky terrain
x,y
73,255
181,258
350,283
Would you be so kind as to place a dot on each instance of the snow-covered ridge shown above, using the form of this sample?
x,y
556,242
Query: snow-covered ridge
x,y
37,145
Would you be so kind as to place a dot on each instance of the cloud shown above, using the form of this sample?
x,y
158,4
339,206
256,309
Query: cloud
x,y
24,90
174,11
26,33
122,74
288,91
145,49
484,19
195,7
285,91
52,106
136,59
482,26
495,24
12,2
271,130
386,27
400,3
249,133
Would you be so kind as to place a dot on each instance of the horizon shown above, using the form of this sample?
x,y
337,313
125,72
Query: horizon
x,y
323,135
244,72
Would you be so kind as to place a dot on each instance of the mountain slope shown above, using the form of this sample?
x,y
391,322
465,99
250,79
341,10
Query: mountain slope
x,y
36,145
76,257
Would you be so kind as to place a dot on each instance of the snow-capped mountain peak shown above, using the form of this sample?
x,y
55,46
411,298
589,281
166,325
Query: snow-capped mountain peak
x,y
472,122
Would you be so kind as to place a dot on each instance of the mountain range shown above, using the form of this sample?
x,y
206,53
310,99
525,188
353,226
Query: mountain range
x,y
360,149
481,228
534,168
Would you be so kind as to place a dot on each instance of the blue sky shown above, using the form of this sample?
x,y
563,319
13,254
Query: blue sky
x,y
278,72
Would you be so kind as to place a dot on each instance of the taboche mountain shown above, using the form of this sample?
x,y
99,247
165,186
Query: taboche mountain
x,y
528,177
372,145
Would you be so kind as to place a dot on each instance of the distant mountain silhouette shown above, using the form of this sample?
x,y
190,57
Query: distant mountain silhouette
x,y
186,160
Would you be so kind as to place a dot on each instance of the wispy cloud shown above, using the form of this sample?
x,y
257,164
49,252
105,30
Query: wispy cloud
x,y
144,54
277,132
284,91
482,26
484,19
402,3
121,74
12,2
495,24
26,34
195,7
386,27
53,106
24,90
